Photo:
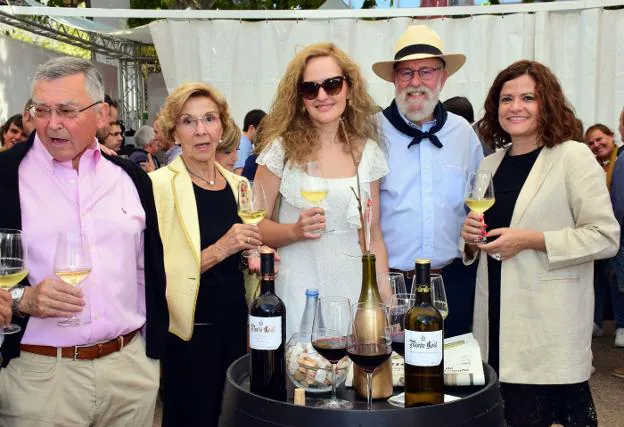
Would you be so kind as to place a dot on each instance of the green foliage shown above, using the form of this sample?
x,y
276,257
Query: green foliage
x,y
144,4
370,4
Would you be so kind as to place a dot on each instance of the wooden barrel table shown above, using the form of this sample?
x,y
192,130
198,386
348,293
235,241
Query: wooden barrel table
x,y
478,406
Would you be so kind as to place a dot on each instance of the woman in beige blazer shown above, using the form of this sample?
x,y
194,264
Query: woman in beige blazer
x,y
202,239
552,218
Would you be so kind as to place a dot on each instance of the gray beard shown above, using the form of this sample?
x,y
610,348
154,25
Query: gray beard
x,y
416,116
427,106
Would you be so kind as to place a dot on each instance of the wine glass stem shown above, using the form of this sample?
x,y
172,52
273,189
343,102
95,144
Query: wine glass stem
x,y
333,382
369,379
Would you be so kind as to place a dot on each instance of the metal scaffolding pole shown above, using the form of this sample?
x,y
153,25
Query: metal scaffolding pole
x,y
133,59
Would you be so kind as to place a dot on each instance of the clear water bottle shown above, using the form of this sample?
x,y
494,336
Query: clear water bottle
x,y
305,328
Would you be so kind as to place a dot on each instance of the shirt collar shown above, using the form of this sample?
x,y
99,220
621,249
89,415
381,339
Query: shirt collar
x,y
91,156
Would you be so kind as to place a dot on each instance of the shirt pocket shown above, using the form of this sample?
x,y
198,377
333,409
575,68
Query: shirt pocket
x,y
453,185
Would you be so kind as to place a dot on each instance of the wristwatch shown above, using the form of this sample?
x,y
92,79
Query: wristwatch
x,y
16,296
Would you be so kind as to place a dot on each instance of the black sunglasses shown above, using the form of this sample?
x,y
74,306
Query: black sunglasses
x,y
332,86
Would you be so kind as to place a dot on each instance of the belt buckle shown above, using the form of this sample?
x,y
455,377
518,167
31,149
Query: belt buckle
x,y
76,348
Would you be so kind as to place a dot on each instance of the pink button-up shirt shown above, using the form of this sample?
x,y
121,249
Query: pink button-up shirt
x,y
101,200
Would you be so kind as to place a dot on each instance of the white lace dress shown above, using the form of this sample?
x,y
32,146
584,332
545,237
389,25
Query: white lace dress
x,y
332,263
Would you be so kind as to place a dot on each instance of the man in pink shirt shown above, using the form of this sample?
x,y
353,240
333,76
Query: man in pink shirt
x,y
104,372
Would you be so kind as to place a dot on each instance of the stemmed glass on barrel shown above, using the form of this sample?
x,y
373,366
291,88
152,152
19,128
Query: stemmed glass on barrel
x,y
370,341
332,322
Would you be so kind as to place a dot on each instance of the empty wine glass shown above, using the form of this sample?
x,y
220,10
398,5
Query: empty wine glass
x,y
399,306
72,264
480,193
332,323
313,184
396,281
438,295
252,207
370,340
13,266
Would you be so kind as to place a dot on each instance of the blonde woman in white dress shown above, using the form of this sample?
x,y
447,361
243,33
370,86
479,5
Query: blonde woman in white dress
x,y
322,112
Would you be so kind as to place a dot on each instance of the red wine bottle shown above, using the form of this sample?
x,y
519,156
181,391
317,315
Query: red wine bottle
x,y
267,335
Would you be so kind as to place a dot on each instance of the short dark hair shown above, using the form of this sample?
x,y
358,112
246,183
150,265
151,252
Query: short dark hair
x,y
461,106
110,101
16,120
253,118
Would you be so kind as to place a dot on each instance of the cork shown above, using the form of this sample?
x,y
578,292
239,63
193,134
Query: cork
x,y
300,396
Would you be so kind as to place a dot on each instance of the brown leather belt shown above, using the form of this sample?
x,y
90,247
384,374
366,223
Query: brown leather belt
x,y
88,352
410,274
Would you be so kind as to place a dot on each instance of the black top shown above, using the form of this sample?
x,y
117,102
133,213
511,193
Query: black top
x,y
157,322
508,181
221,288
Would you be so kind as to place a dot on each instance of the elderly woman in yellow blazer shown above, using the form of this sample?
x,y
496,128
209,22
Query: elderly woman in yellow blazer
x,y
552,218
202,237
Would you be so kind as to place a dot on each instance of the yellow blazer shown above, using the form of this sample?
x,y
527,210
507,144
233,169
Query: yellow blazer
x,y
179,230
547,298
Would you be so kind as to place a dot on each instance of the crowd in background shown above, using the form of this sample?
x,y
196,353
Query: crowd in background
x,y
173,237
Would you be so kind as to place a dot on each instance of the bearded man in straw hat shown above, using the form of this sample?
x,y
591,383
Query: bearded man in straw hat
x,y
430,153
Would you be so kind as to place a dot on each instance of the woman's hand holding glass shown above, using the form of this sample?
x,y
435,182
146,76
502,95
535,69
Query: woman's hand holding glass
x,y
479,196
314,188
310,224
473,231
238,238
252,208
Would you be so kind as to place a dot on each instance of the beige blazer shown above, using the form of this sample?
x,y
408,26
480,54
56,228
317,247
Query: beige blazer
x,y
179,231
547,298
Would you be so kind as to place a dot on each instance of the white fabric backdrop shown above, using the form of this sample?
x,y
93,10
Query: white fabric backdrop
x,y
245,60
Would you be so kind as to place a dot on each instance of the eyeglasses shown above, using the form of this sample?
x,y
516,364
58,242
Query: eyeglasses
x,y
332,86
190,122
40,111
424,73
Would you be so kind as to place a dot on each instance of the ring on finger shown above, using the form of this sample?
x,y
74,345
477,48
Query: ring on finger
x,y
496,256
249,240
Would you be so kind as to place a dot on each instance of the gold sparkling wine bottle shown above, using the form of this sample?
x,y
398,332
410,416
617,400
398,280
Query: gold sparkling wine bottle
x,y
382,377
424,344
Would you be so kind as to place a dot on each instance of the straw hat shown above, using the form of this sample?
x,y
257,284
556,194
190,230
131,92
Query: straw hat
x,y
419,42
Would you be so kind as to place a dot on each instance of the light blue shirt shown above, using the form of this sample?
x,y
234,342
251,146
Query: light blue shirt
x,y
244,150
172,153
422,198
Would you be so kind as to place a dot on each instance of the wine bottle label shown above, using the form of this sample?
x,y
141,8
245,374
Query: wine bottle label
x,y
265,333
423,348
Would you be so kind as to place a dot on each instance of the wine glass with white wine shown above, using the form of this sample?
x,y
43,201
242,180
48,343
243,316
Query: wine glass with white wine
x,y
72,264
13,266
252,206
480,193
313,184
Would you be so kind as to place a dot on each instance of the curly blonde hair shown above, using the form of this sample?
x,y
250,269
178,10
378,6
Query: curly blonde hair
x,y
168,115
289,119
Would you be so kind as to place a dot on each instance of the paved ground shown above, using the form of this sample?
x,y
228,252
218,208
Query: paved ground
x,y
607,390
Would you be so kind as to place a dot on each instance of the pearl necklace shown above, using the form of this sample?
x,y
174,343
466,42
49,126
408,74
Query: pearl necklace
x,y
209,182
